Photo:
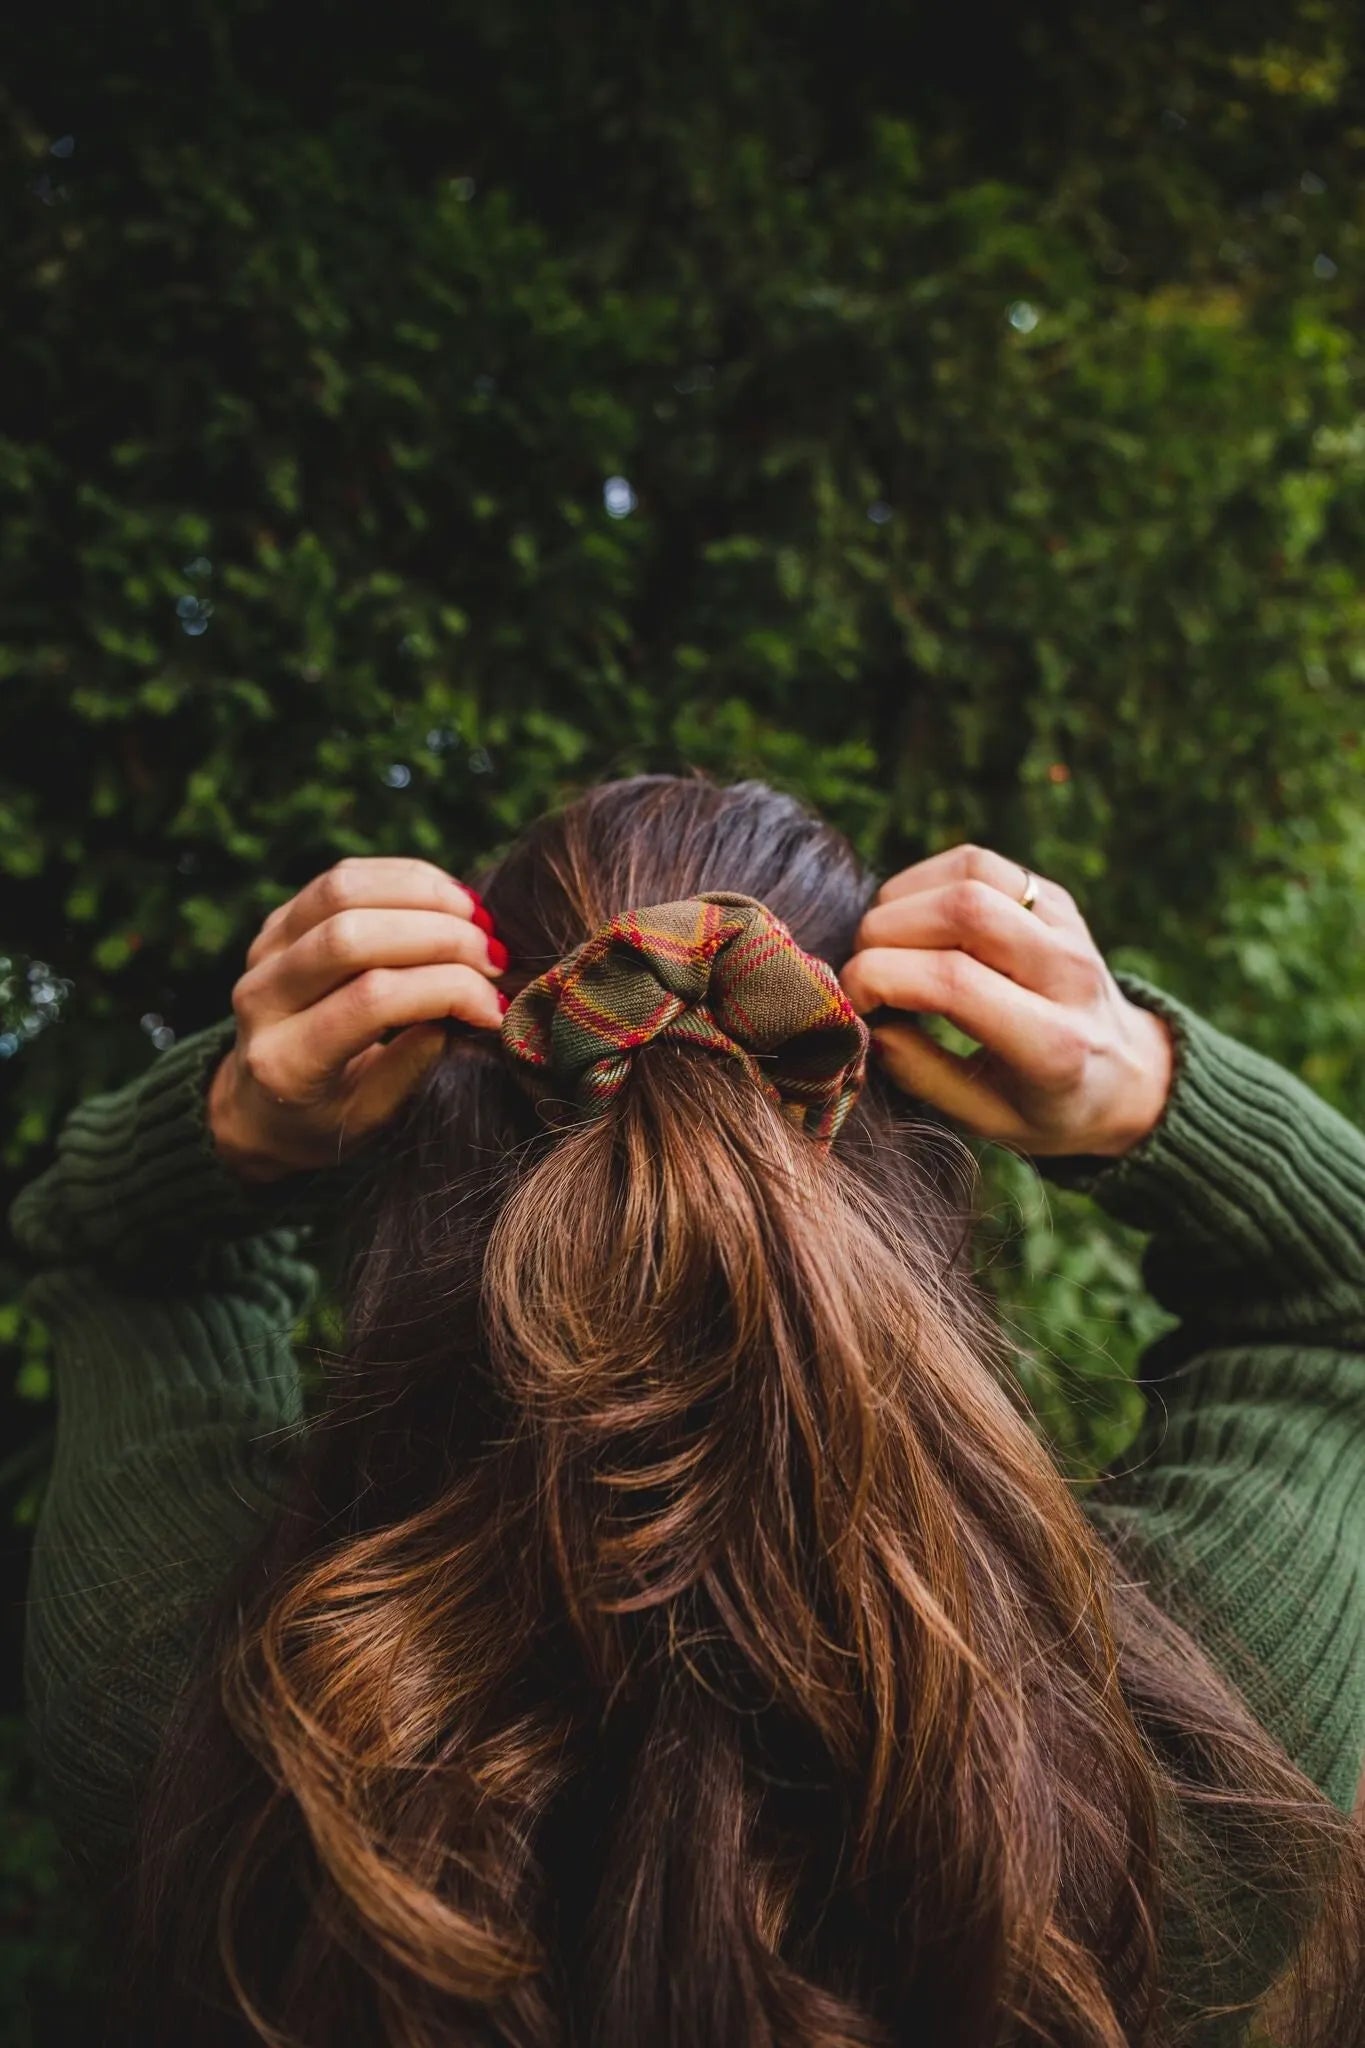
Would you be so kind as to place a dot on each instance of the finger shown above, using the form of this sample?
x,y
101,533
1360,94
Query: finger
x,y
969,863
383,1078
354,941
950,1081
970,915
380,881
1040,1039
295,1058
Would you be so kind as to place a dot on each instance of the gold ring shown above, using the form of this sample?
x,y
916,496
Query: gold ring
x,y
1030,895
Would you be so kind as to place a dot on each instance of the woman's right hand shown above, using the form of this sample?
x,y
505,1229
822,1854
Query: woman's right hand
x,y
371,945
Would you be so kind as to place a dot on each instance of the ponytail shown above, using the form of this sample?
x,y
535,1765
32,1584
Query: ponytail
x,y
678,1633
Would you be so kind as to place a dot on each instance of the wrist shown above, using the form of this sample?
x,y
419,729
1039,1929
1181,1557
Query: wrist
x,y
227,1128
1144,1098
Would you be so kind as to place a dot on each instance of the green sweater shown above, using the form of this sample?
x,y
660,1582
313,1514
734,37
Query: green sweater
x,y
171,1291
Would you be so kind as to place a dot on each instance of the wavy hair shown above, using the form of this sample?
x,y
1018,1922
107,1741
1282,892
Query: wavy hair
x,y
677,1633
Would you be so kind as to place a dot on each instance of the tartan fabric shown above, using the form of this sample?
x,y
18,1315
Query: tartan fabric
x,y
718,971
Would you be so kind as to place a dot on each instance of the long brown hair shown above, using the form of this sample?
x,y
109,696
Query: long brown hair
x,y
678,1635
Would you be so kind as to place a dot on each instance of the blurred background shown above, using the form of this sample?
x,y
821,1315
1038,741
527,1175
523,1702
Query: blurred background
x,y
956,416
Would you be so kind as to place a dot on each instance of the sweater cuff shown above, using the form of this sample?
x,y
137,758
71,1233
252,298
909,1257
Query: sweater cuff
x,y
1245,1159
137,1171
1111,1180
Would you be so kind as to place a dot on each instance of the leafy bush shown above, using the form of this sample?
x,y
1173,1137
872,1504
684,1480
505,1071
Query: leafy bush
x,y
958,421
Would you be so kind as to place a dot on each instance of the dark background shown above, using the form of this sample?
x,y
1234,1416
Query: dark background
x,y
407,415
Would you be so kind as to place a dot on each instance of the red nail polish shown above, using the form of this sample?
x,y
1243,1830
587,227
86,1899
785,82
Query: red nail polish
x,y
483,920
478,900
498,953
504,1002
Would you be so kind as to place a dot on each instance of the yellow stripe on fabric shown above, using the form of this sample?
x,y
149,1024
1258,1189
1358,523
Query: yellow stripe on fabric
x,y
719,971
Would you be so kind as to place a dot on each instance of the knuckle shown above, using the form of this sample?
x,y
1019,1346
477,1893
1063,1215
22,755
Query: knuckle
x,y
340,937
260,1066
972,906
337,888
370,992
954,975
974,861
244,991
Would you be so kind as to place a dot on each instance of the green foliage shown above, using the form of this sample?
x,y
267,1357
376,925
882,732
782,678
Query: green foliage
x,y
47,1946
988,410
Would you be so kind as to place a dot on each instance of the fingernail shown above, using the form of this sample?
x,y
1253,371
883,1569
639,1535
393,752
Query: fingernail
x,y
498,953
482,920
504,1002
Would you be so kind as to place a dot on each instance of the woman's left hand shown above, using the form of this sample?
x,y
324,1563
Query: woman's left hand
x,y
1066,1063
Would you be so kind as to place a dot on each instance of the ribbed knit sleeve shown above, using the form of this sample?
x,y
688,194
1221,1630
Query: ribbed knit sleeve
x,y
170,1290
136,1170
1241,1505
1246,1487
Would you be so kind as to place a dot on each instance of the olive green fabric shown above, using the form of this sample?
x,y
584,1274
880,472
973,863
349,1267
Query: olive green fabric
x,y
717,971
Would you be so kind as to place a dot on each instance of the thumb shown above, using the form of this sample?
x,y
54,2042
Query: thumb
x,y
385,1076
950,1081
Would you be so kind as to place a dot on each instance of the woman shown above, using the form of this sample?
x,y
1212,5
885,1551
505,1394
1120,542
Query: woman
x,y
668,1627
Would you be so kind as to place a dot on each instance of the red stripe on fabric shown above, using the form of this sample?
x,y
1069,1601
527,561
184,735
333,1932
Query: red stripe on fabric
x,y
755,952
729,944
706,937
754,948
537,1054
576,1006
752,953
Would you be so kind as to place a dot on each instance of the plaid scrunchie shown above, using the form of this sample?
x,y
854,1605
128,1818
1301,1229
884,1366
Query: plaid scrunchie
x,y
718,971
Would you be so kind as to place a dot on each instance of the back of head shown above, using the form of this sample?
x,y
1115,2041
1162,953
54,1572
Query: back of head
x,y
678,1634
